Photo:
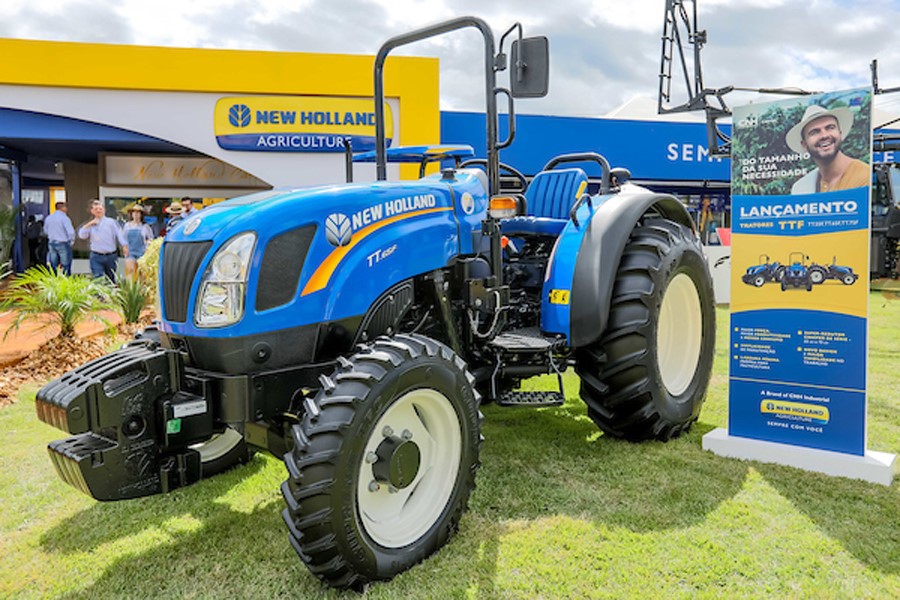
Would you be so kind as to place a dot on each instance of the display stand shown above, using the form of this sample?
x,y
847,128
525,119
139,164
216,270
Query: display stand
x,y
875,467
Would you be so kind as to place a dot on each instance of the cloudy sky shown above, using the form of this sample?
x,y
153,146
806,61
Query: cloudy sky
x,y
604,52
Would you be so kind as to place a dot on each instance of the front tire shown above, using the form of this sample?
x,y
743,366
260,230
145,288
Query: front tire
x,y
384,460
646,378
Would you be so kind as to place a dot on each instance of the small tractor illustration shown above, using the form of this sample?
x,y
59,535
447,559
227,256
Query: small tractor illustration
x,y
796,272
819,273
759,274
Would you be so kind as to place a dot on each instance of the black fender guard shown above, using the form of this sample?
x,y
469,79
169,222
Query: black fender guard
x,y
600,252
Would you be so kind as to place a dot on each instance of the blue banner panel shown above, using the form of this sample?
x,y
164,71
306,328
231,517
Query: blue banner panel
x,y
799,346
801,215
810,416
651,150
295,142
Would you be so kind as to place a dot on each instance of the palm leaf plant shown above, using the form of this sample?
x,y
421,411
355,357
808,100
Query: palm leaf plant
x,y
49,297
132,296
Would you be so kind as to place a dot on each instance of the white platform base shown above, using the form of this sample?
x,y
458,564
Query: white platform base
x,y
876,467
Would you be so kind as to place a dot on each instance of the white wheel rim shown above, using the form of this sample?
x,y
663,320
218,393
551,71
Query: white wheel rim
x,y
398,518
218,445
816,277
679,334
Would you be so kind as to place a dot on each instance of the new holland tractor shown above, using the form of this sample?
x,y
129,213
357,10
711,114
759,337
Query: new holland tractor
x,y
758,275
796,273
355,330
819,273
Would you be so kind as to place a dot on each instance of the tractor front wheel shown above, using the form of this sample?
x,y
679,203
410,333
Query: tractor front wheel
x,y
646,378
383,462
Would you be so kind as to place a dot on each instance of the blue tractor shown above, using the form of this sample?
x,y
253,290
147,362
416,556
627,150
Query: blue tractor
x,y
355,330
797,273
765,271
819,273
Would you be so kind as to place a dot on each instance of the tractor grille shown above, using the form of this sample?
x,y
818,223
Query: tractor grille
x,y
180,263
282,263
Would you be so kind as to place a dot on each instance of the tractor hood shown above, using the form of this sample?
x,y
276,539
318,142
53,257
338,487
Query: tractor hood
x,y
319,254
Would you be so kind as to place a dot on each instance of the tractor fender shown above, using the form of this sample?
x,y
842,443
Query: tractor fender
x,y
591,273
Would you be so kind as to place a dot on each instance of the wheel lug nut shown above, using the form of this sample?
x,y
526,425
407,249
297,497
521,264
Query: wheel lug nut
x,y
374,486
406,435
371,457
387,431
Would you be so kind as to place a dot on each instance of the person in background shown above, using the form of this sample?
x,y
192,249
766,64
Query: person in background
x,y
136,234
105,236
177,211
188,204
60,238
33,231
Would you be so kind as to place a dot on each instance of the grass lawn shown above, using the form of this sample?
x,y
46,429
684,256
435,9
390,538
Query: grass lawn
x,y
560,512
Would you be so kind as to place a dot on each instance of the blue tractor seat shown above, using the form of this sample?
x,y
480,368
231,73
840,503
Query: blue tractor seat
x,y
549,198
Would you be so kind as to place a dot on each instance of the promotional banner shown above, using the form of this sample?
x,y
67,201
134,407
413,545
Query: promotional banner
x,y
801,174
297,123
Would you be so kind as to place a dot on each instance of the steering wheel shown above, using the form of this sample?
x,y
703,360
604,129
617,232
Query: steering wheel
x,y
482,162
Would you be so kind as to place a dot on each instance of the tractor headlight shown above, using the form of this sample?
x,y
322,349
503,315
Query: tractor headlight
x,y
224,284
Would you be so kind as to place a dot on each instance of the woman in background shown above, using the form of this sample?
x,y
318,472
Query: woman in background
x,y
136,234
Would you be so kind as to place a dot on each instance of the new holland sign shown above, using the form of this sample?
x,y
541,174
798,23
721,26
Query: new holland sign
x,y
297,123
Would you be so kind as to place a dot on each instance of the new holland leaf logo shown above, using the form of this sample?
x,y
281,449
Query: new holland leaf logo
x,y
239,115
338,229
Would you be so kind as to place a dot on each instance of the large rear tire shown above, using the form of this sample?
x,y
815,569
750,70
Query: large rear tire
x,y
383,462
817,275
646,378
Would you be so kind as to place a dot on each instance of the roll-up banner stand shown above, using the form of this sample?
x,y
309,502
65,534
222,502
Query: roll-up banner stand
x,y
801,178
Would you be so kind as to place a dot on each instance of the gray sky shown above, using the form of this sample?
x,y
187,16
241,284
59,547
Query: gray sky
x,y
603,52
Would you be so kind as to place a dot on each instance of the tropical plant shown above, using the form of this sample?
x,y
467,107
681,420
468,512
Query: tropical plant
x,y
50,297
132,297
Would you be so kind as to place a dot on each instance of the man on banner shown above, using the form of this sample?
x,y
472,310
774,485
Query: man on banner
x,y
820,132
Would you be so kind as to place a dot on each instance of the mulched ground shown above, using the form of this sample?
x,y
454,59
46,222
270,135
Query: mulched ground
x,y
56,357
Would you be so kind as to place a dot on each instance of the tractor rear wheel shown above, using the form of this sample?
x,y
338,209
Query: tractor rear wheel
x,y
383,462
646,378
817,275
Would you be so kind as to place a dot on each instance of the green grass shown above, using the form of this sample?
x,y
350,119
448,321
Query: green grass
x,y
560,512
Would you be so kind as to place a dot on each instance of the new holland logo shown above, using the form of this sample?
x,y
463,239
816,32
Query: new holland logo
x,y
191,226
338,229
239,115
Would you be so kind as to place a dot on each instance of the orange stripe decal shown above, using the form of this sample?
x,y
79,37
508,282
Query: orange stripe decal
x,y
323,273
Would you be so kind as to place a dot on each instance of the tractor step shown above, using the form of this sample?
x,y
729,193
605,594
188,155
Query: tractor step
x,y
528,339
531,399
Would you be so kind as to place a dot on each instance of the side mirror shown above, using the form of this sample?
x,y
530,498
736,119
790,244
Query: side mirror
x,y
529,76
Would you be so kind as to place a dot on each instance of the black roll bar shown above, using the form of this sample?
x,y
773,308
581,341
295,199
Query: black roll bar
x,y
490,84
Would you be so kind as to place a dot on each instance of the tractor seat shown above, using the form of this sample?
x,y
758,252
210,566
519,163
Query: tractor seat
x,y
549,198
